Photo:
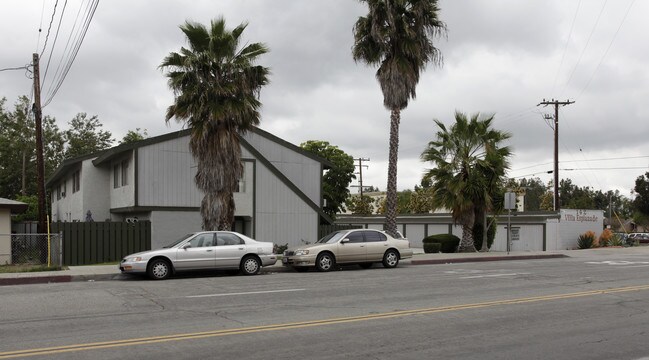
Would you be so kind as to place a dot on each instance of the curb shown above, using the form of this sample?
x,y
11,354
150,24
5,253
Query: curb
x,y
486,258
25,280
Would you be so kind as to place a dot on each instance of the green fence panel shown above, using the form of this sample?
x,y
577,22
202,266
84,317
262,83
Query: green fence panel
x,y
86,243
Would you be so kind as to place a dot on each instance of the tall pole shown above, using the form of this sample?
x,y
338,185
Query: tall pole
x,y
360,174
556,103
40,166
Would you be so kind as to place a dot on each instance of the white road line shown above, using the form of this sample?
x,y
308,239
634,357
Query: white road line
x,y
245,293
492,275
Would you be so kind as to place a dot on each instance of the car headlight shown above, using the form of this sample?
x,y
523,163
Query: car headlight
x,y
301,252
134,259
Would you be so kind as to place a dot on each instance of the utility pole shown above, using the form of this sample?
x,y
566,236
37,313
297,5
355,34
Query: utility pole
x,y
556,103
360,174
40,166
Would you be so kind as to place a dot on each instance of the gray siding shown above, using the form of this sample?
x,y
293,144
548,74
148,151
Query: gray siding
x,y
281,215
167,226
166,173
302,171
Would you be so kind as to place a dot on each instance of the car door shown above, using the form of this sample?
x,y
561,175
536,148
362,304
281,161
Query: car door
x,y
197,253
351,248
229,250
376,243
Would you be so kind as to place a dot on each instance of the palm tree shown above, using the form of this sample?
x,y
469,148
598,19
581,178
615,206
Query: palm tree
x,y
397,35
469,162
216,87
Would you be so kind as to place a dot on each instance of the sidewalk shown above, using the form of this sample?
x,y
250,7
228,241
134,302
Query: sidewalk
x,y
111,272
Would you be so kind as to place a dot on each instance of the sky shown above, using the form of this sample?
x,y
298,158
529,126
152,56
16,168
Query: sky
x,y
501,58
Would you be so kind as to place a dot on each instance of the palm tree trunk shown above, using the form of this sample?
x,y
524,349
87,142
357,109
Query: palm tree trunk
x,y
466,244
485,235
391,195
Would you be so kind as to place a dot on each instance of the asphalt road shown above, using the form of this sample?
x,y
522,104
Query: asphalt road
x,y
571,308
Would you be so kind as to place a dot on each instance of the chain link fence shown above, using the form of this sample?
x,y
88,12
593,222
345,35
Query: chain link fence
x,y
31,249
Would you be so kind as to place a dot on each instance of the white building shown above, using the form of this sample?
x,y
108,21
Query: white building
x,y
279,198
530,231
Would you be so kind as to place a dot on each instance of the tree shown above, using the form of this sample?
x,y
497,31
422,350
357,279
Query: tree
x,y
360,205
397,35
336,180
469,163
17,148
134,135
641,201
216,87
85,136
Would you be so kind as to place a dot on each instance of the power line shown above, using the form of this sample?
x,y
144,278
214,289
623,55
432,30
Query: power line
x,y
571,161
585,46
26,67
49,28
56,36
91,8
565,48
580,169
607,49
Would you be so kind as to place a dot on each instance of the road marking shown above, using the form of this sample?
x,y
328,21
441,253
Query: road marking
x,y
245,293
306,324
492,275
617,262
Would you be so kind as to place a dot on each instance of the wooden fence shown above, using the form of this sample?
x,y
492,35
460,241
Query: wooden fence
x,y
86,243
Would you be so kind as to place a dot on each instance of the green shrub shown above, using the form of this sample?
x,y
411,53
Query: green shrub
x,y
279,249
586,240
615,240
448,242
432,248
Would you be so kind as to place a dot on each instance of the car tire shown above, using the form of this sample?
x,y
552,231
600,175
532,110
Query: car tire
x,y
365,265
250,265
159,269
325,262
391,259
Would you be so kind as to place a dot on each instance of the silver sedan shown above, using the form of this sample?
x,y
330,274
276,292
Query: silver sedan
x,y
200,251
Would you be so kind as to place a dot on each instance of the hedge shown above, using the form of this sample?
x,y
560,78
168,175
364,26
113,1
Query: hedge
x,y
448,242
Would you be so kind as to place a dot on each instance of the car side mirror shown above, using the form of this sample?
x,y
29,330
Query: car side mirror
x,y
187,246
344,241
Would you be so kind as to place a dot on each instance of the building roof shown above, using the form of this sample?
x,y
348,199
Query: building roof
x,y
16,207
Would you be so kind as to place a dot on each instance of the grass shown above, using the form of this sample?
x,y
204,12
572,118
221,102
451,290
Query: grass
x,y
6,269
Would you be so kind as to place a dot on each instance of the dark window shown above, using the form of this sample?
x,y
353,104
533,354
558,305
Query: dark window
x,y
76,181
223,239
355,237
115,176
125,172
374,236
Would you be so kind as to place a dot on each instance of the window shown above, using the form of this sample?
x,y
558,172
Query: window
x,y
223,239
76,181
355,237
115,176
65,188
202,240
374,236
120,174
125,172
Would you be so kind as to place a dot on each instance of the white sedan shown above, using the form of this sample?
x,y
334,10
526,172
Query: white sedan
x,y
202,251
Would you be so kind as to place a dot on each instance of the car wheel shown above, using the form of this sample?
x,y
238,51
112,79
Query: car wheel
x,y
159,269
250,265
390,259
365,265
325,262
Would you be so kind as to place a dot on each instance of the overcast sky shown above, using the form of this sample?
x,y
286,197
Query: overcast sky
x,y
501,57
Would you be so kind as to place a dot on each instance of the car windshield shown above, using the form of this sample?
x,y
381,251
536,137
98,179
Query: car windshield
x,y
331,238
178,241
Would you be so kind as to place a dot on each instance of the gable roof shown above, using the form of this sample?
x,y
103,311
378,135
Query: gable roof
x,y
16,207
106,156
